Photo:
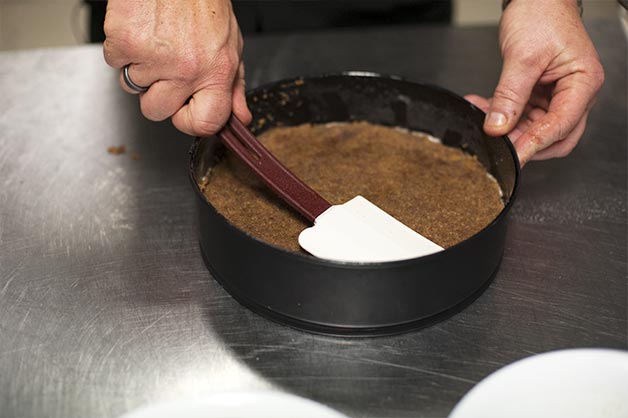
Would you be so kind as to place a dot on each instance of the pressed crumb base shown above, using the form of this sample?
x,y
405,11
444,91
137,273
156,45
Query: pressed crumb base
x,y
439,191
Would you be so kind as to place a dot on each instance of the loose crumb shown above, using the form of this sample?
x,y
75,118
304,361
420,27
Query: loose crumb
x,y
116,150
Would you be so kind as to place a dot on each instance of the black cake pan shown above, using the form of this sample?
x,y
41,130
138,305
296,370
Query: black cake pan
x,y
354,299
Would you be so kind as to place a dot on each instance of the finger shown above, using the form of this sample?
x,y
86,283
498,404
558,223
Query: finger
x,y
138,75
481,102
484,104
564,147
513,91
163,99
532,115
143,74
206,112
573,96
239,106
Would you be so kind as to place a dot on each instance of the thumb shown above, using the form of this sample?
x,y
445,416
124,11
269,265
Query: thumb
x,y
512,93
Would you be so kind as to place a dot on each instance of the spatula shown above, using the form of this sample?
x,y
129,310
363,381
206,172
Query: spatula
x,y
356,231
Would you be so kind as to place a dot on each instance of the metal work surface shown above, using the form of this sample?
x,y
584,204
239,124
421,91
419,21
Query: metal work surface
x,y
105,303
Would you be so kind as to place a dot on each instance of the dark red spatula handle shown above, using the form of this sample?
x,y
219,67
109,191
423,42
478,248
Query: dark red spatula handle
x,y
282,181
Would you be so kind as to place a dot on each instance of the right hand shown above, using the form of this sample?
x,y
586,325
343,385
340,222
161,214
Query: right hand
x,y
188,52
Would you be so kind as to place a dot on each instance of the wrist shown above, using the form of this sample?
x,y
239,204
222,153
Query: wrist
x,y
505,4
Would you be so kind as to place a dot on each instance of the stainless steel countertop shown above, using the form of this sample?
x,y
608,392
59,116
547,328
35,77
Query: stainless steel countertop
x,y
105,303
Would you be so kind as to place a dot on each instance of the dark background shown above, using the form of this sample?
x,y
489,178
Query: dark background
x,y
286,15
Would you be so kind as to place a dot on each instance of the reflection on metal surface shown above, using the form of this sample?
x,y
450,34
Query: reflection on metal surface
x,y
203,374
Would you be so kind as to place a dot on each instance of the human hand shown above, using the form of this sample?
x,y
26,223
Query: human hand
x,y
550,77
187,52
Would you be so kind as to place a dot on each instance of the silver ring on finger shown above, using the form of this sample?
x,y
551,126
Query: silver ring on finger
x,y
130,84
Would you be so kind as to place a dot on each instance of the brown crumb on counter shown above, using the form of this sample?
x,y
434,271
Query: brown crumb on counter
x,y
135,156
116,150
439,191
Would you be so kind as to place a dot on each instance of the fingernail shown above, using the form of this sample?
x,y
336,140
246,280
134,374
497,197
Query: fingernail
x,y
496,119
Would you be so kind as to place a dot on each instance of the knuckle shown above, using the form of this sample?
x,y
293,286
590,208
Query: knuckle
x,y
121,43
597,73
529,58
555,128
113,30
232,58
109,26
188,66
226,64
192,65
592,68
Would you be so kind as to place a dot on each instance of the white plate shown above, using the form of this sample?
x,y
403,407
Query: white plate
x,y
579,383
260,404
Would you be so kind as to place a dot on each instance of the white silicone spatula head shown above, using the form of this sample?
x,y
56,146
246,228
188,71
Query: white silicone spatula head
x,y
359,231
356,231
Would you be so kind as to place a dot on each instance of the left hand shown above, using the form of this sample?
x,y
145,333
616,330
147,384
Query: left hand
x,y
550,77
